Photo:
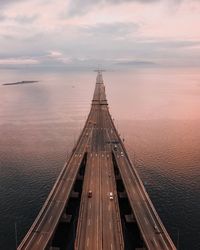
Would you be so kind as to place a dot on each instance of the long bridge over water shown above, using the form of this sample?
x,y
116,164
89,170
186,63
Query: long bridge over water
x,y
98,201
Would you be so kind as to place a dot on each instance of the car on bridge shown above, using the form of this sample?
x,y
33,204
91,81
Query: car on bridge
x,y
156,229
89,193
111,196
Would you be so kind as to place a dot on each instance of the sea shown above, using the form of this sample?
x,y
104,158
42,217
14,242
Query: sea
x,y
156,111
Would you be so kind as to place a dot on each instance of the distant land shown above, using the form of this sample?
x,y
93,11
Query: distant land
x,y
22,82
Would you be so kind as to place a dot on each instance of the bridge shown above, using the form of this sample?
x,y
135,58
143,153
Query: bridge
x,y
98,201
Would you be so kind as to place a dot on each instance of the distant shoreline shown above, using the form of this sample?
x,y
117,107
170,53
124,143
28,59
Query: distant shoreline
x,y
17,83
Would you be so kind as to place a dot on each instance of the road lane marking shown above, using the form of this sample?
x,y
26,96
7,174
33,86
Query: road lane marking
x,y
30,241
146,221
45,213
155,242
41,236
140,192
50,219
87,242
164,241
89,222
110,225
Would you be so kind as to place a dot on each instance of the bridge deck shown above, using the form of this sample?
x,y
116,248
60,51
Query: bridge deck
x,y
151,227
99,224
44,226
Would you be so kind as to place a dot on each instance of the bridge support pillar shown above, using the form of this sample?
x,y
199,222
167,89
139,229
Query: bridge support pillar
x,y
122,195
74,194
66,218
79,177
118,177
130,218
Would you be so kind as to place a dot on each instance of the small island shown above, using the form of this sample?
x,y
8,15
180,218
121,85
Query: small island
x,y
17,83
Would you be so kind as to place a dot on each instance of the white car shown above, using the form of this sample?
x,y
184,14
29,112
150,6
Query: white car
x,y
156,229
111,196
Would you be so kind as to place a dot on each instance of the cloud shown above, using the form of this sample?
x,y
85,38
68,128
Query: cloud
x,y
77,7
141,31
18,61
23,19
136,63
4,3
59,57
117,29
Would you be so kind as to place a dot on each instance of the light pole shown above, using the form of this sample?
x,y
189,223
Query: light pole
x,y
16,243
178,235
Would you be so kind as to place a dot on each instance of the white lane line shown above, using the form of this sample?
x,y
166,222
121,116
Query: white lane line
x,y
146,221
41,236
45,213
164,241
87,242
90,206
89,222
111,247
96,154
155,242
50,219
110,225
30,241
140,192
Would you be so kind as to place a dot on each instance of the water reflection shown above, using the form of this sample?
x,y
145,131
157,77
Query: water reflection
x,y
157,112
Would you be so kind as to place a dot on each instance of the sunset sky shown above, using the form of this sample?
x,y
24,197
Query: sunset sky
x,y
77,33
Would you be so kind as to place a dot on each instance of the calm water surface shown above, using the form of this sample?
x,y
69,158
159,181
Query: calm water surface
x,y
156,111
